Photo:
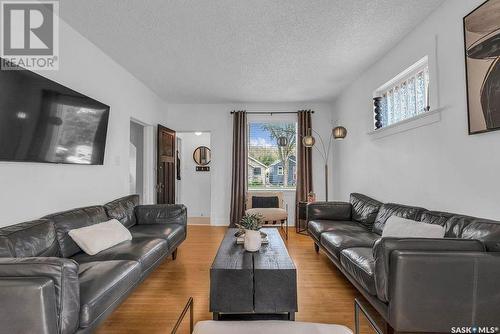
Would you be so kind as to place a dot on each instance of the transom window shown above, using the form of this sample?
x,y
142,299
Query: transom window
x,y
272,155
404,97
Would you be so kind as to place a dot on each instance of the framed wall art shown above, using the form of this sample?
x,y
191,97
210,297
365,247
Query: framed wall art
x,y
482,62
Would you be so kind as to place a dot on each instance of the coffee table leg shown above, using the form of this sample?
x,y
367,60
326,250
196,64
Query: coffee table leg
x,y
216,316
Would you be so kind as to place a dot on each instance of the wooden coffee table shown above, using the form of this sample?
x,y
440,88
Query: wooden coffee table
x,y
260,285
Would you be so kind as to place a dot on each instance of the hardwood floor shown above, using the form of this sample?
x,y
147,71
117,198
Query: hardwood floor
x,y
324,295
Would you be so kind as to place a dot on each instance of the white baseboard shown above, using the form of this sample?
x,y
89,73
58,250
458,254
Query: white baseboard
x,y
219,222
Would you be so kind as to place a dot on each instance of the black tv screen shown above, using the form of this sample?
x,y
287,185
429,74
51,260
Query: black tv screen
x,y
43,121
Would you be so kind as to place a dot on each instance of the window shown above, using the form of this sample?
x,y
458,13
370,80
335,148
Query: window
x,y
404,97
272,166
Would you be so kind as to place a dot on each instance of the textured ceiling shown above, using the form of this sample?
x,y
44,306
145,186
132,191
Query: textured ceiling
x,y
213,51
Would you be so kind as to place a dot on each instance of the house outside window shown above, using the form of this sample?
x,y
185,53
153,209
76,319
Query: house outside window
x,y
403,97
271,166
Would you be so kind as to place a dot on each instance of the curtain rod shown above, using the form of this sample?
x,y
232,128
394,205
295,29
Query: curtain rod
x,y
272,112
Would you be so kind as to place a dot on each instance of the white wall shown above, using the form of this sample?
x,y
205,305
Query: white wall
x,y
30,190
438,166
137,172
194,187
216,119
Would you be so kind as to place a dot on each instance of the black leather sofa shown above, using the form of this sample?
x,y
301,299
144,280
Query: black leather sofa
x,y
48,285
416,284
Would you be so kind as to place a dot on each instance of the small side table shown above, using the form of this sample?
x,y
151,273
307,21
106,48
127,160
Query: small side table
x,y
301,221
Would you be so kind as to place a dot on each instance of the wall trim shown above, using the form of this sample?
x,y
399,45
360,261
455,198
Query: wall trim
x,y
427,118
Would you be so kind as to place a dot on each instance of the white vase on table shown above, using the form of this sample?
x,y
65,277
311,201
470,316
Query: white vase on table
x,y
252,241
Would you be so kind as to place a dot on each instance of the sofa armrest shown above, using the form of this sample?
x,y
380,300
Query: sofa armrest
x,y
328,211
385,246
161,214
433,291
64,276
28,305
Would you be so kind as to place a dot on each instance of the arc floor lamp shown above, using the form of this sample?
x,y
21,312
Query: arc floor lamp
x,y
337,133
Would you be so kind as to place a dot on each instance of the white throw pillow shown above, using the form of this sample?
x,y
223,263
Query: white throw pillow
x,y
398,227
95,238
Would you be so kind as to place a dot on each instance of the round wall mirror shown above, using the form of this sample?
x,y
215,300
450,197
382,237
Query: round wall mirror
x,y
202,155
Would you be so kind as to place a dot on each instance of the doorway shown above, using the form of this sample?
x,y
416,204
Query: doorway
x,y
136,159
193,183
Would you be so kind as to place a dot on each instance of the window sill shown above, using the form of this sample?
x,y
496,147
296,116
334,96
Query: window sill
x,y
270,190
430,117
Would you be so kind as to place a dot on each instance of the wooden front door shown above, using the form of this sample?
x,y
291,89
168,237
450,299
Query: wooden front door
x,y
165,187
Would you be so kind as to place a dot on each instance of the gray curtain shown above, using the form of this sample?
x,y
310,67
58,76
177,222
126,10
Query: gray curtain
x,y
304,160
239,167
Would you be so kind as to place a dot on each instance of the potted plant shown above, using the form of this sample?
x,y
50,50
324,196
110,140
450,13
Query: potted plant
x,y
252,223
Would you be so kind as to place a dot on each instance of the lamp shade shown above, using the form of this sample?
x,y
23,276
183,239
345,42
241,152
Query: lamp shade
x,y
308,140
282,141
339,132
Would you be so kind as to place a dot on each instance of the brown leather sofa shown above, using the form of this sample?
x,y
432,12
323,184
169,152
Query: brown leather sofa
x,y
416,284
49,285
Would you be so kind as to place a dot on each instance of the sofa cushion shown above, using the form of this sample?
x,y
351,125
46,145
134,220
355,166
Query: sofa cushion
x,y
364,209
161,214
435,217
146,251
269,215
173,233
390,209
464,227
122,209
265,202
359,262
35,238
102,284
328,211
5,247
76,218
341,238
316,227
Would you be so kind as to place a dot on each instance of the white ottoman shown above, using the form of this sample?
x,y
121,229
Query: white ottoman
x,y
267,327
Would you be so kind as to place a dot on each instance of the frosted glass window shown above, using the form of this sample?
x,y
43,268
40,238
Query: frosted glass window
x,y
397,106
420,92
384,109
390,108
403,101
406,96
412,107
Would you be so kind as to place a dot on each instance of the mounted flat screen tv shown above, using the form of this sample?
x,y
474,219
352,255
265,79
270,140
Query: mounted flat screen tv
x,y
43,121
